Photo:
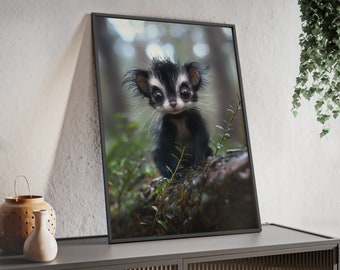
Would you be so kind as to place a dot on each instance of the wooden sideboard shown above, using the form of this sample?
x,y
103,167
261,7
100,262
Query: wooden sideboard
x,y
276,247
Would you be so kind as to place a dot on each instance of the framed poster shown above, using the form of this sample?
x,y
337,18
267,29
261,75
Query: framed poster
x,y
175,145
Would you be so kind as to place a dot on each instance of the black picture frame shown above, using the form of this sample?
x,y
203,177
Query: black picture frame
x,y
216,196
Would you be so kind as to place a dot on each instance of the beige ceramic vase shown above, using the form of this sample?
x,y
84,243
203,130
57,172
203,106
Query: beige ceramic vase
x,y
40,246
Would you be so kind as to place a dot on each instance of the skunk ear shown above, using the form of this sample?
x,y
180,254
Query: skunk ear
x,y
195,73
137,81
142,83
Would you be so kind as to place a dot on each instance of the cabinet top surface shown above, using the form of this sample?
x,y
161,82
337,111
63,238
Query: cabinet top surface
x,y
90,250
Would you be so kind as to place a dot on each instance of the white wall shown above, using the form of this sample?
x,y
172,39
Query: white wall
x,y
48,111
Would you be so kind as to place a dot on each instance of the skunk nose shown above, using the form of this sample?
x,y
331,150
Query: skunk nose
x,y
173,103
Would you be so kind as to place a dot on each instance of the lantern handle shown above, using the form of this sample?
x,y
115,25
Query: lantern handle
x,y
15,186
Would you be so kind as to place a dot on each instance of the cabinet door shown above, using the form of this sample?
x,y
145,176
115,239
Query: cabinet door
x,y
313,260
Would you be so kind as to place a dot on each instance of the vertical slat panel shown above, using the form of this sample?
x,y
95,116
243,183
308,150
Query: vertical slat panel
x,y
155,267
316,260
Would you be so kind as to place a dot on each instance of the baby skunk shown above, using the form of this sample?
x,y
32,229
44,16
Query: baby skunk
x,y
172,90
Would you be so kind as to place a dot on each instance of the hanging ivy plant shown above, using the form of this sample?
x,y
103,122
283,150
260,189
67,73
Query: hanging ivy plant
x,y
319,75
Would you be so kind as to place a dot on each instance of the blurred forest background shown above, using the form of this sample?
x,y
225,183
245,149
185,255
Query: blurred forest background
x,y
122,44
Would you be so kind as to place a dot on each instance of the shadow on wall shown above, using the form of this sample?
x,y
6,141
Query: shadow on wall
x,y
75,188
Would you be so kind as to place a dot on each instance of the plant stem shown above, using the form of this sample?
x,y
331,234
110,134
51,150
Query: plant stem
x,y
158,202
227,128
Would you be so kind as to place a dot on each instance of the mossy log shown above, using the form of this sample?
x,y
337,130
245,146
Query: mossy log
x,y
218,196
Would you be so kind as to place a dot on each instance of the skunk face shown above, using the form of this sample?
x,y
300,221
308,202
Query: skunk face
x,y
172,95
171,88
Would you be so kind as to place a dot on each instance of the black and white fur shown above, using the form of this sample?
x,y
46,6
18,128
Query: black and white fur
x,y
172,90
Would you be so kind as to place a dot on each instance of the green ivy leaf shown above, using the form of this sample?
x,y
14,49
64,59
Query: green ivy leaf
x,y
324,132
322,118
319,72
295,113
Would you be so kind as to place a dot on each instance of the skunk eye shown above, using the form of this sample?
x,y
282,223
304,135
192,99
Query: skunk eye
x,y
158,95
185,93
